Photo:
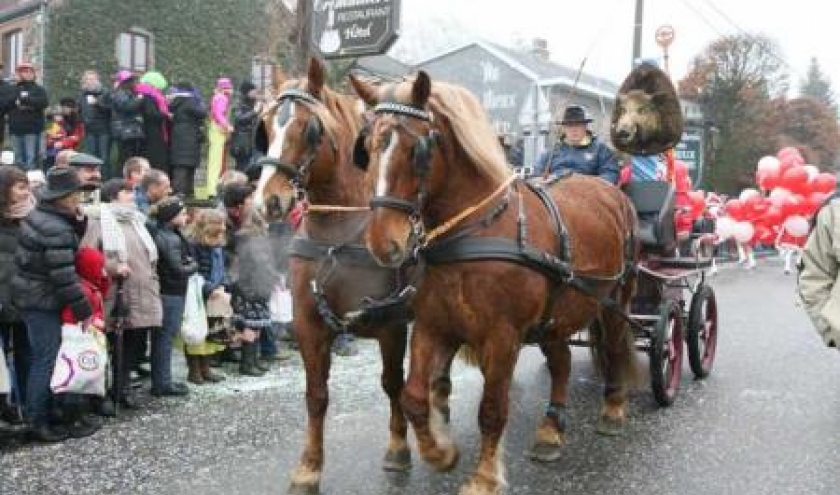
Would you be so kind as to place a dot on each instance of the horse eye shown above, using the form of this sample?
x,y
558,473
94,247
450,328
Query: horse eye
x,y
385,141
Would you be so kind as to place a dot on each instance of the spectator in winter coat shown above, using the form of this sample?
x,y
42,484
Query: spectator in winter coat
x,y
26,118
94,104
154,187
127,117
578,150
8,94
156,120
818,279
245,120
16,201
131,257
175,267
188,117
45,283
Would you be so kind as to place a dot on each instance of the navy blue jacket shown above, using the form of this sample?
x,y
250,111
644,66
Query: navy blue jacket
x,y
593,159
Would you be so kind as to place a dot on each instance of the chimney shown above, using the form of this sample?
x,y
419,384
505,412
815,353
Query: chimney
x,y
539,48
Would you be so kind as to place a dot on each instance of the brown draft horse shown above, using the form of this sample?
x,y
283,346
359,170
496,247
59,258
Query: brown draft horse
x,y
309,133
439,172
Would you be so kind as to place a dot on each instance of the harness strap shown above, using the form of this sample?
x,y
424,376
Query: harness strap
x,y
354,254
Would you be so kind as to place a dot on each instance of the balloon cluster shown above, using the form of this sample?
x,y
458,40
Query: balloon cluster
x,y
778,212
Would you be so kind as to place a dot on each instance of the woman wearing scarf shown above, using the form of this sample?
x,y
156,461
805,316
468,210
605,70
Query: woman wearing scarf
x,y
131,258
220,129
127,117
16,201
156,119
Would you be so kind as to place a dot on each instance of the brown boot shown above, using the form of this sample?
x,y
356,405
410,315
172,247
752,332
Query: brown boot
x,y
194,366
207,373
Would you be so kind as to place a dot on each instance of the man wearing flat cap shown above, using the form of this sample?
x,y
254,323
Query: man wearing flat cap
x,y
578,150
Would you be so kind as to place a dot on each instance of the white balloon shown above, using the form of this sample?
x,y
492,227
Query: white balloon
x,y
768,163
812,170
796,225
748,193
778,195
724,228
744,232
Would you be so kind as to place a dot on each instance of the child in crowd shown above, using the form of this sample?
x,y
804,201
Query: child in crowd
x,y
65,131
174,268
90,265
208,236
134,170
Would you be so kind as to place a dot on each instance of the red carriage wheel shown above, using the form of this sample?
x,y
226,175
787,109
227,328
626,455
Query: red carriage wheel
x,y
666,351
701,334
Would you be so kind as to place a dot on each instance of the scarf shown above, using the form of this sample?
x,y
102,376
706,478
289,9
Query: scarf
x,y
156,95
16,211
113,239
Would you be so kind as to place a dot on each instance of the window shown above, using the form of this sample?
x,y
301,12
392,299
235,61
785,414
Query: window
x,y
261,71
12,51
134,51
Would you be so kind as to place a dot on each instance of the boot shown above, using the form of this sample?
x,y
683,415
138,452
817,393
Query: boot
x,y
206,373
248,365
194,367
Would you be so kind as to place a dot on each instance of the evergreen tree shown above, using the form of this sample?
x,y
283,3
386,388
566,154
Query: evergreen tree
x,y
818,86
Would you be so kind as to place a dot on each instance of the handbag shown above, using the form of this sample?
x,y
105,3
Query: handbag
x,y
128,130
5,380
81,362
194,324
280,304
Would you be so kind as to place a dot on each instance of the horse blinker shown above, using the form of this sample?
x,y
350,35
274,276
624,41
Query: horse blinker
x,y
361,157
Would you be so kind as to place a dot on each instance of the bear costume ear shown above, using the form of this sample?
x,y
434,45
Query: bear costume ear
x,y
661,132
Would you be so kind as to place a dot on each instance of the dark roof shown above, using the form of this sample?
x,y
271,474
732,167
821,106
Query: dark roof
x,y
382,66
546,69
19,9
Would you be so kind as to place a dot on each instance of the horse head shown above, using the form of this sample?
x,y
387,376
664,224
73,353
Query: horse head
x,y
398,152
299,139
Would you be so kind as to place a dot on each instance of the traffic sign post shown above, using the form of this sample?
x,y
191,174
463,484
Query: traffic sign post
x,y
354,28
664,38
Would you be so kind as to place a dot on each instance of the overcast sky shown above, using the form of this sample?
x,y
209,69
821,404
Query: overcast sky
x,y
602,30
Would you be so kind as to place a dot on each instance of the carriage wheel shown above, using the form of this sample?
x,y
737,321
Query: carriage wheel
x,y
666,351
701,334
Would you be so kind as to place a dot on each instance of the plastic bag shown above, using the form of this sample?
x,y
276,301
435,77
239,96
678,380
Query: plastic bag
x,y
5,379
81,362
194,325
280,304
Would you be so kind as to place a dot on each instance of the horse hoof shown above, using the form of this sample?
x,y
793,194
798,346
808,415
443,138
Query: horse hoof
x,y
545,452
610,427
399,460
303,489
446,460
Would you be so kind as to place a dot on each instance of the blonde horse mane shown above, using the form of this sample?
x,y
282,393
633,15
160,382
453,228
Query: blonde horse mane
x,y
469,122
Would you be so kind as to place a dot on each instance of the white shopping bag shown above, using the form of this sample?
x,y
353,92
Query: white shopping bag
x,y
194,325
81,362
5,380
280,304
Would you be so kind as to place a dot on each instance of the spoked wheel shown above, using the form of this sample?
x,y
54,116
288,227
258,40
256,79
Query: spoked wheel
x,y
701,334
666,351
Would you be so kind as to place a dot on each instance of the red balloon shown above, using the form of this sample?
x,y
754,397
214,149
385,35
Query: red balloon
x,y
794,204
814,201
698,203
774,216
734,208
789,152
795,179
824,183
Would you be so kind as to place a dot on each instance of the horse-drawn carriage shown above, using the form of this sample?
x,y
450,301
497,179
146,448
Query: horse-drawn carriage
x,y
430,187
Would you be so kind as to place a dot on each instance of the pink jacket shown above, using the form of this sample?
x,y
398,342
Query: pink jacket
x,y
218,110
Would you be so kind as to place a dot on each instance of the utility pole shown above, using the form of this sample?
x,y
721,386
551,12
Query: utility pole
x,y
304,34
637,33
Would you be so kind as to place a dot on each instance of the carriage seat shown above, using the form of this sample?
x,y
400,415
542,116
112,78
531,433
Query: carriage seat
x,y
655,208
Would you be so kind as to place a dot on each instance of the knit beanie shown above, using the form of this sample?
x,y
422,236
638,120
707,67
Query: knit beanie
x,y
167,209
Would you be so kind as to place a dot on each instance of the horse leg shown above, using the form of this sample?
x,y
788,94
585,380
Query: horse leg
x,y
314,342
551,433
441,389
616,358
392,343
497,362
427,351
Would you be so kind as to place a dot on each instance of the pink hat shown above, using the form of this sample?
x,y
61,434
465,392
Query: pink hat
x,y
122,75
224,83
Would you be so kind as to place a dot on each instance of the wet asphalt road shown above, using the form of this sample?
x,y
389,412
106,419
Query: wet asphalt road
x,y
767,421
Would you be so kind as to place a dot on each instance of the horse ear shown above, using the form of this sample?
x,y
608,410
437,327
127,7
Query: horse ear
x,y
421,90
366,91
278,78
316,76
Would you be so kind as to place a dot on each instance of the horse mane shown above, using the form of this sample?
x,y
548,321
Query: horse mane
x,y
469,123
